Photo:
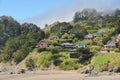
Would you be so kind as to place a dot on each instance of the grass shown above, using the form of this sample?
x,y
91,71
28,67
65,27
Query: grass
x,y
103,59
45,59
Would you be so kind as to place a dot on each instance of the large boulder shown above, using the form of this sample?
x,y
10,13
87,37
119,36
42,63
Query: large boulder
x,y
21,71
116,69
89,69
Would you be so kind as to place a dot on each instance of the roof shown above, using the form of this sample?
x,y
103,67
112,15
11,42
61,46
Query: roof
x,y
118,37
42,43
70,44
81,45
111,42
53,37
99,34
89,36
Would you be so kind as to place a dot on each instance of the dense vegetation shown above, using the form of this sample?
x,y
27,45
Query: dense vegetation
x,y
18,40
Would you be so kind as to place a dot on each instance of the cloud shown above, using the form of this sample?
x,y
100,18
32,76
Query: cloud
x,y
65,13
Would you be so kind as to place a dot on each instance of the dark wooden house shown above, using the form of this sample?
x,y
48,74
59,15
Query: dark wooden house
x,y
89,37
67,45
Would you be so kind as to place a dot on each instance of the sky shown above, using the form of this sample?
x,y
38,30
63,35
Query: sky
x,y
41,12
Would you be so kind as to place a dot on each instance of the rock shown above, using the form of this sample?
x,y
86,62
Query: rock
x,y
21,71
110,70
116,69
91,67
88,69
84,72
12,73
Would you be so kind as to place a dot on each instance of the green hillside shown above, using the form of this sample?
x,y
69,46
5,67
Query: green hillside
x,y
105,62
64,45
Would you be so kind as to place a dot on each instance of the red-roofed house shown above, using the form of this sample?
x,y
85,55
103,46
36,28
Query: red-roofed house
x,y
42,45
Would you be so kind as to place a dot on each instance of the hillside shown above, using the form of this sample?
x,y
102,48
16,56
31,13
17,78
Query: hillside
x,y
62,45
106,62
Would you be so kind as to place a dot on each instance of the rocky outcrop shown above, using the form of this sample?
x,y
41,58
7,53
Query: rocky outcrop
x,y
7,67
21,71
116,69
87,69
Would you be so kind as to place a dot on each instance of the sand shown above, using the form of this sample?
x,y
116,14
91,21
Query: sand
x,y
56,75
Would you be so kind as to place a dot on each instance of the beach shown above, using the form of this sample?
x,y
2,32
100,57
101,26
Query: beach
x,y
56,75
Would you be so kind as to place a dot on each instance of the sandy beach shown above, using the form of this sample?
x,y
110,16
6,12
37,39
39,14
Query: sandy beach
x,y
56,75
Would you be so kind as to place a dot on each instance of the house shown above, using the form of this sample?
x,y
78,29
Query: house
x,y
118,39
42,45
99,35
110,47
111,44
67,45
81,45
89,37
53,38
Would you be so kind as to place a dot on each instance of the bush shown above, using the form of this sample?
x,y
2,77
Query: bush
x,y
116,49
52,42
115,63
69,65
30,64
57,62
95,48
40,50
18,56
66,36
54,51
84,55
44,60
104,67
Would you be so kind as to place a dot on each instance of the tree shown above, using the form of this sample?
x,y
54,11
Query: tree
x,y
60,28
8,28
79,31
117,12
30,64
66,36
46,25
77,16
85,14
28,28
19,47
84,54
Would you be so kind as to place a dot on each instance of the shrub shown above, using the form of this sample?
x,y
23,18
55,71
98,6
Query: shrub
x,y
18,56
95,48
69,65
44,60
116,49
115,63
57,62
66,36
54,51
103,68
84,55
40,49
30,64
52,42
